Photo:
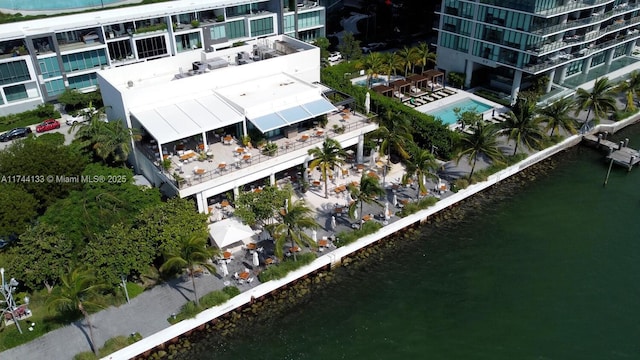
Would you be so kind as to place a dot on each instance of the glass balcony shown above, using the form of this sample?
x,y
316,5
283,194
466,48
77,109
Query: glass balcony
x,y
572,5
543,29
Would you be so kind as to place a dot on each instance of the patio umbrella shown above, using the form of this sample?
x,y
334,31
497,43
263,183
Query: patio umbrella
x,y
229,231
333,222
314,236
355,213
225,270
395,200
387,214
256,261
367,102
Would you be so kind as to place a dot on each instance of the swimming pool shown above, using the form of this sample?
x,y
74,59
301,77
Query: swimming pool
x,y
449,117
40,5
374,81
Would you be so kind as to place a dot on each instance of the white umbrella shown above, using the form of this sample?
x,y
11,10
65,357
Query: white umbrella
x,y
395,200
333,222
229,231
374,154
314,236
387,213
286,205
224,269
256,261
355,213
367,102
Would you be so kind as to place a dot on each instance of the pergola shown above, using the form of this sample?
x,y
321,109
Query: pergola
x,y
433,76
418,81
402,86
383,90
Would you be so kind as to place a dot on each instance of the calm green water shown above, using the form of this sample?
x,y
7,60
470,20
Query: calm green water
x,y
552,273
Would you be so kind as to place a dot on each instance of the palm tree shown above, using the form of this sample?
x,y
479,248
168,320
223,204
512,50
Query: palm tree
x,y
367,191
394,134
631,87
482,140
107,140
409,57
294,219
600,100
77,292
423,164
556,116
372,64
523,126
191,252
390,63
327,158
424,55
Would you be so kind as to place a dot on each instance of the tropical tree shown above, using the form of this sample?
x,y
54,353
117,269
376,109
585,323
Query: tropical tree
x,y
600,100
372,64
18,209
556,116
631,89
393,133
424,56
78,290
523,126
350,47
260,207
106,140
367,191
323,44
192,252
481,141
409,58
423,164
390,64
327,158
295,217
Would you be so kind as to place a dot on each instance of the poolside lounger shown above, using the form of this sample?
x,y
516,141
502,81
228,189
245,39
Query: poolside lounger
x,y
435,96
449,91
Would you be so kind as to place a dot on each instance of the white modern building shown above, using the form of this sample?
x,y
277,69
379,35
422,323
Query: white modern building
x,y
194,109
41,58
508,44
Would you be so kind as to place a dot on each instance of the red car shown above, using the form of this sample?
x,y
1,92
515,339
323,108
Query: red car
x,y
47,125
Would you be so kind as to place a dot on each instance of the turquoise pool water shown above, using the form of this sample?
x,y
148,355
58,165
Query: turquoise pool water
x,y
374,81
40,5
447,115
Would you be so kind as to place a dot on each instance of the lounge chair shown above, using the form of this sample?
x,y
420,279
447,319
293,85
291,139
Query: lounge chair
x,y
449,91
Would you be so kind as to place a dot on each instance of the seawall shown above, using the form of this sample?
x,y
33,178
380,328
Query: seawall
x,y
144,347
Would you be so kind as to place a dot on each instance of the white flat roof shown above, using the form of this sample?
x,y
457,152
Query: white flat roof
x,y
111,16
187,117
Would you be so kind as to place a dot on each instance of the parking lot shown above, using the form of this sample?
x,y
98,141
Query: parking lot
x,y
64,129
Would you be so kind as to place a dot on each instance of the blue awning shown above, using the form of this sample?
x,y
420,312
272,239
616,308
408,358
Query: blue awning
x,y
292,115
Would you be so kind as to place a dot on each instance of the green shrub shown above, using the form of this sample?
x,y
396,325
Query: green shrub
x,y
231,291
134,289
347,237
110,346
213,298
280,270
28,118
270,149
195,23
492,96
414,207
151,28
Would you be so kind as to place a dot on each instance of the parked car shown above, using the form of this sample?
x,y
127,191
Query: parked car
x,y
15,133
335,56
81,116
373,47
7,240
47,125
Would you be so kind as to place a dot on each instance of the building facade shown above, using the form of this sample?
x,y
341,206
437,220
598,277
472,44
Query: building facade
x,y
507,45
41,58
196,110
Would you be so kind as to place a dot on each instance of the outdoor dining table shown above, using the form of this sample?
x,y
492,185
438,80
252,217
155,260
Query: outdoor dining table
x,y
227,139
367,217
222,166
339,210
226,255
224,203
304,137
240,150
294,249
316,183
323,243
340,189
251,246
246,157
244,275
319,133
268,261
200,171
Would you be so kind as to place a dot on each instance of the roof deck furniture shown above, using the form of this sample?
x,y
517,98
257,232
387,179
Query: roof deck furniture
x,y
227,140
304,137
419,81
402,86
433,76
383,90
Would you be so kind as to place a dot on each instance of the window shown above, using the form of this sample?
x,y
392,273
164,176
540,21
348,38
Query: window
x,y
574,68
218,32
49,67
187,42
83,81
309,19
13,72
236,29
151,47
620,50
119,50
289,24
15,93
598,59
85,60
261,27
54,87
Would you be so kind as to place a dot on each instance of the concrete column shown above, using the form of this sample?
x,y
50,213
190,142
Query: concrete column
x,y
305,170
360,150
468,73
551,75
515,88
272,179
609,57
202,203
586,65
630,46
236,192
563,75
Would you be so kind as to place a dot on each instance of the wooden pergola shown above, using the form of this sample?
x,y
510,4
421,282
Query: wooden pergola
x,y
402,86
383,90
418,81
433,76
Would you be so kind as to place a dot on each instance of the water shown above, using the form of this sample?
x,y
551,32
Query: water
x,y
374,81
552,272
448,116
39,5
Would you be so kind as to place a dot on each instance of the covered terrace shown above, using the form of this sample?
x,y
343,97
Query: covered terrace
x,y
435,79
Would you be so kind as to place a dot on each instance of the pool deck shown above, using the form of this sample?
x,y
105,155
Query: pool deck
x,y
67,10
459,96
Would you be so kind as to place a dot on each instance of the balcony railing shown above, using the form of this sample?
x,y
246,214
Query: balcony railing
x,y
542,29
572,5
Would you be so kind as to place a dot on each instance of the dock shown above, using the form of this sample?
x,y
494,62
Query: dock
x,y
618,153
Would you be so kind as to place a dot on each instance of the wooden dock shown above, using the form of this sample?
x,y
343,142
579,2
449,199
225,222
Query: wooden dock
x,y
618,153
